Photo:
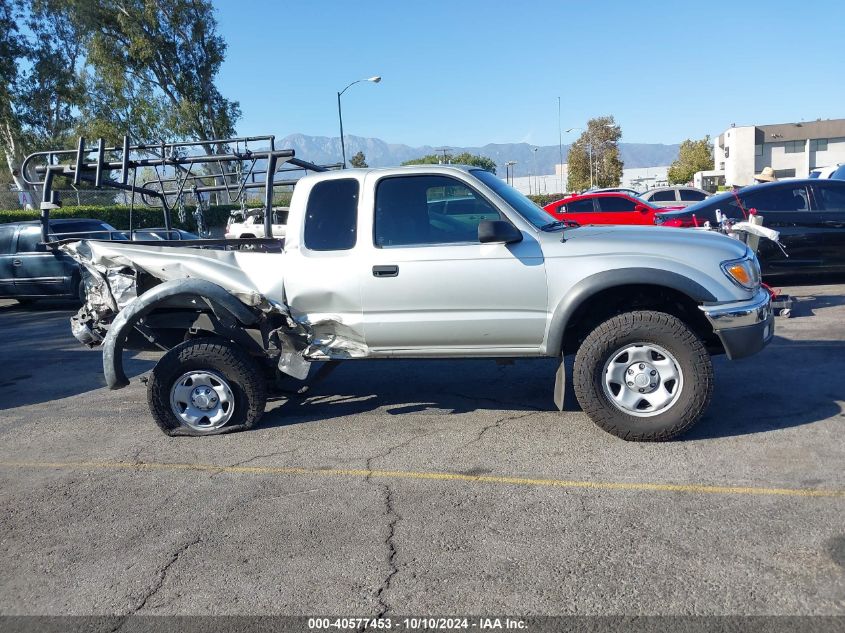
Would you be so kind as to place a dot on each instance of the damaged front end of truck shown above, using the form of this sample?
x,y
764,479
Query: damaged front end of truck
x,y
149,296
217,309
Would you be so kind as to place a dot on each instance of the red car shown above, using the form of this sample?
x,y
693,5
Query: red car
x,y
603,208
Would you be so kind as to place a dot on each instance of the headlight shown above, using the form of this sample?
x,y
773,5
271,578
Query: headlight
x,y
744,272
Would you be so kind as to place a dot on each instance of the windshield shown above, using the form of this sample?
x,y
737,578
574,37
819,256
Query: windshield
x,y
522,205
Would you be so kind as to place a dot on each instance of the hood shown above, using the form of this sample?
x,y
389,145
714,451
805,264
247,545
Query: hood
x,y
690,245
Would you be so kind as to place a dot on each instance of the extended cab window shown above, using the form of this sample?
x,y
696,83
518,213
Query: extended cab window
x,y
414,210
331,217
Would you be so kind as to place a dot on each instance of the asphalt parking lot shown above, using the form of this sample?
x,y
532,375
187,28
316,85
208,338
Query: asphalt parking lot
x,y
423,488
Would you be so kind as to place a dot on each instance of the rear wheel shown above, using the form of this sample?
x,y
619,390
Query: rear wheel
x,y
643,376
205,387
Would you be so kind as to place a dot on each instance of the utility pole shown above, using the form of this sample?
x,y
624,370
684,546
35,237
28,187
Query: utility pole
x,y
445,151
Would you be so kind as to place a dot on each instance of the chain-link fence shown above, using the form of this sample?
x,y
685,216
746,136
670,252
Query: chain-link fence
x,y
10,199
70,197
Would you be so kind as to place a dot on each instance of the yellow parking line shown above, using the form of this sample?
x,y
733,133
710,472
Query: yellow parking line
x,y
434,476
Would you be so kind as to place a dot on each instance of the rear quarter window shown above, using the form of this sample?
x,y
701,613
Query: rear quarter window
x,y
331,216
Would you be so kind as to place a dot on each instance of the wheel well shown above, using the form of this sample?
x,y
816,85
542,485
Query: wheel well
x,y
609,302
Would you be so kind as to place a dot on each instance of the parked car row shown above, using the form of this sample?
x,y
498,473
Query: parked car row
x,y
809,214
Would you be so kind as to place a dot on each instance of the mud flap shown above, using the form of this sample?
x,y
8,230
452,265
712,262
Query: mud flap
x,y
560,384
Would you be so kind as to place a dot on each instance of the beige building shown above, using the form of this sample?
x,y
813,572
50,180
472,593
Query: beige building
x,y
791,149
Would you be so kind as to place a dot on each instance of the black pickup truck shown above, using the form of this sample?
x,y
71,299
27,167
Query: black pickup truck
x,y
29,270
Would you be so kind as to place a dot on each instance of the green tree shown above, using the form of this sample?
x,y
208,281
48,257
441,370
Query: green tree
x,y
359,160
693,156
464,158
154,63
594,156
12,51
40,81
105,68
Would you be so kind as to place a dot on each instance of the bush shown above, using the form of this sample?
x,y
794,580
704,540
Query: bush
x,y
142,217
543,199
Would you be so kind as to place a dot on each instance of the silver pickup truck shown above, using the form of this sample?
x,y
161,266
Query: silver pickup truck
x,y
429,262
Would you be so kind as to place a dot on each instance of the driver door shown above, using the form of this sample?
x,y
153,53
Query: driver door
x,y
430,287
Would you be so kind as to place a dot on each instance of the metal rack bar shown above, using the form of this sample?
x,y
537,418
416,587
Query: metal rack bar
x,y
93,164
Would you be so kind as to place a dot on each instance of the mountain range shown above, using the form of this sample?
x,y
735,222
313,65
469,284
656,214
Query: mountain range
x,y
326,150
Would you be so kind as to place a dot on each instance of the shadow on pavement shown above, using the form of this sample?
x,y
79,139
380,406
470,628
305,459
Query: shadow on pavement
x,y
805,304
40,360
789,384
431,386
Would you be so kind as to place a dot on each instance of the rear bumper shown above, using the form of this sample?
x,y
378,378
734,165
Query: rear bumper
x,y
744,327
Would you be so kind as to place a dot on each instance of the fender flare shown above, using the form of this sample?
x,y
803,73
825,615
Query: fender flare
x,y
607,279
223,304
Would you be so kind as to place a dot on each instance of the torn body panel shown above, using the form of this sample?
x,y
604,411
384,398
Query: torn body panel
x,y
239,296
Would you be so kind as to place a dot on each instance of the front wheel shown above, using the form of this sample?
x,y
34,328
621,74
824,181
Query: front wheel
x,y
643,376
205,387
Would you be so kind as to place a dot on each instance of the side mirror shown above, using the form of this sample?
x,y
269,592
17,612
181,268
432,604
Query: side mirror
x,y
490,231
641,208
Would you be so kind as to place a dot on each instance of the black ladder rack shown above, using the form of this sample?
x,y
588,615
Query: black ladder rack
x,y
94,165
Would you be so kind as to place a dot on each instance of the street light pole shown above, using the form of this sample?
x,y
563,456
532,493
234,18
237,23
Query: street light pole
x,y
509,172
374,80
536,179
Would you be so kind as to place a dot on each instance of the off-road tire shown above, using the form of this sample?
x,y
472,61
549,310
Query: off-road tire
x,y
658,328
216,355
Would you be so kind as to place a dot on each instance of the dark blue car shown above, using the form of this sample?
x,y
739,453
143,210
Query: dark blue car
x,y
29,270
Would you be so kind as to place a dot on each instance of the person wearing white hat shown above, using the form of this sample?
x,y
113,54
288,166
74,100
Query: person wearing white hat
x,y
766,175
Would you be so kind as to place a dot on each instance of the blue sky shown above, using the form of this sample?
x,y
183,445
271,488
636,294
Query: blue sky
x,y
469,73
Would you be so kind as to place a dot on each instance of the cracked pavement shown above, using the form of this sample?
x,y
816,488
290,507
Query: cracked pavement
x,y
246,536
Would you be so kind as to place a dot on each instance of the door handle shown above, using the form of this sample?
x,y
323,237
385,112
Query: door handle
x,y
16,262
386,271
